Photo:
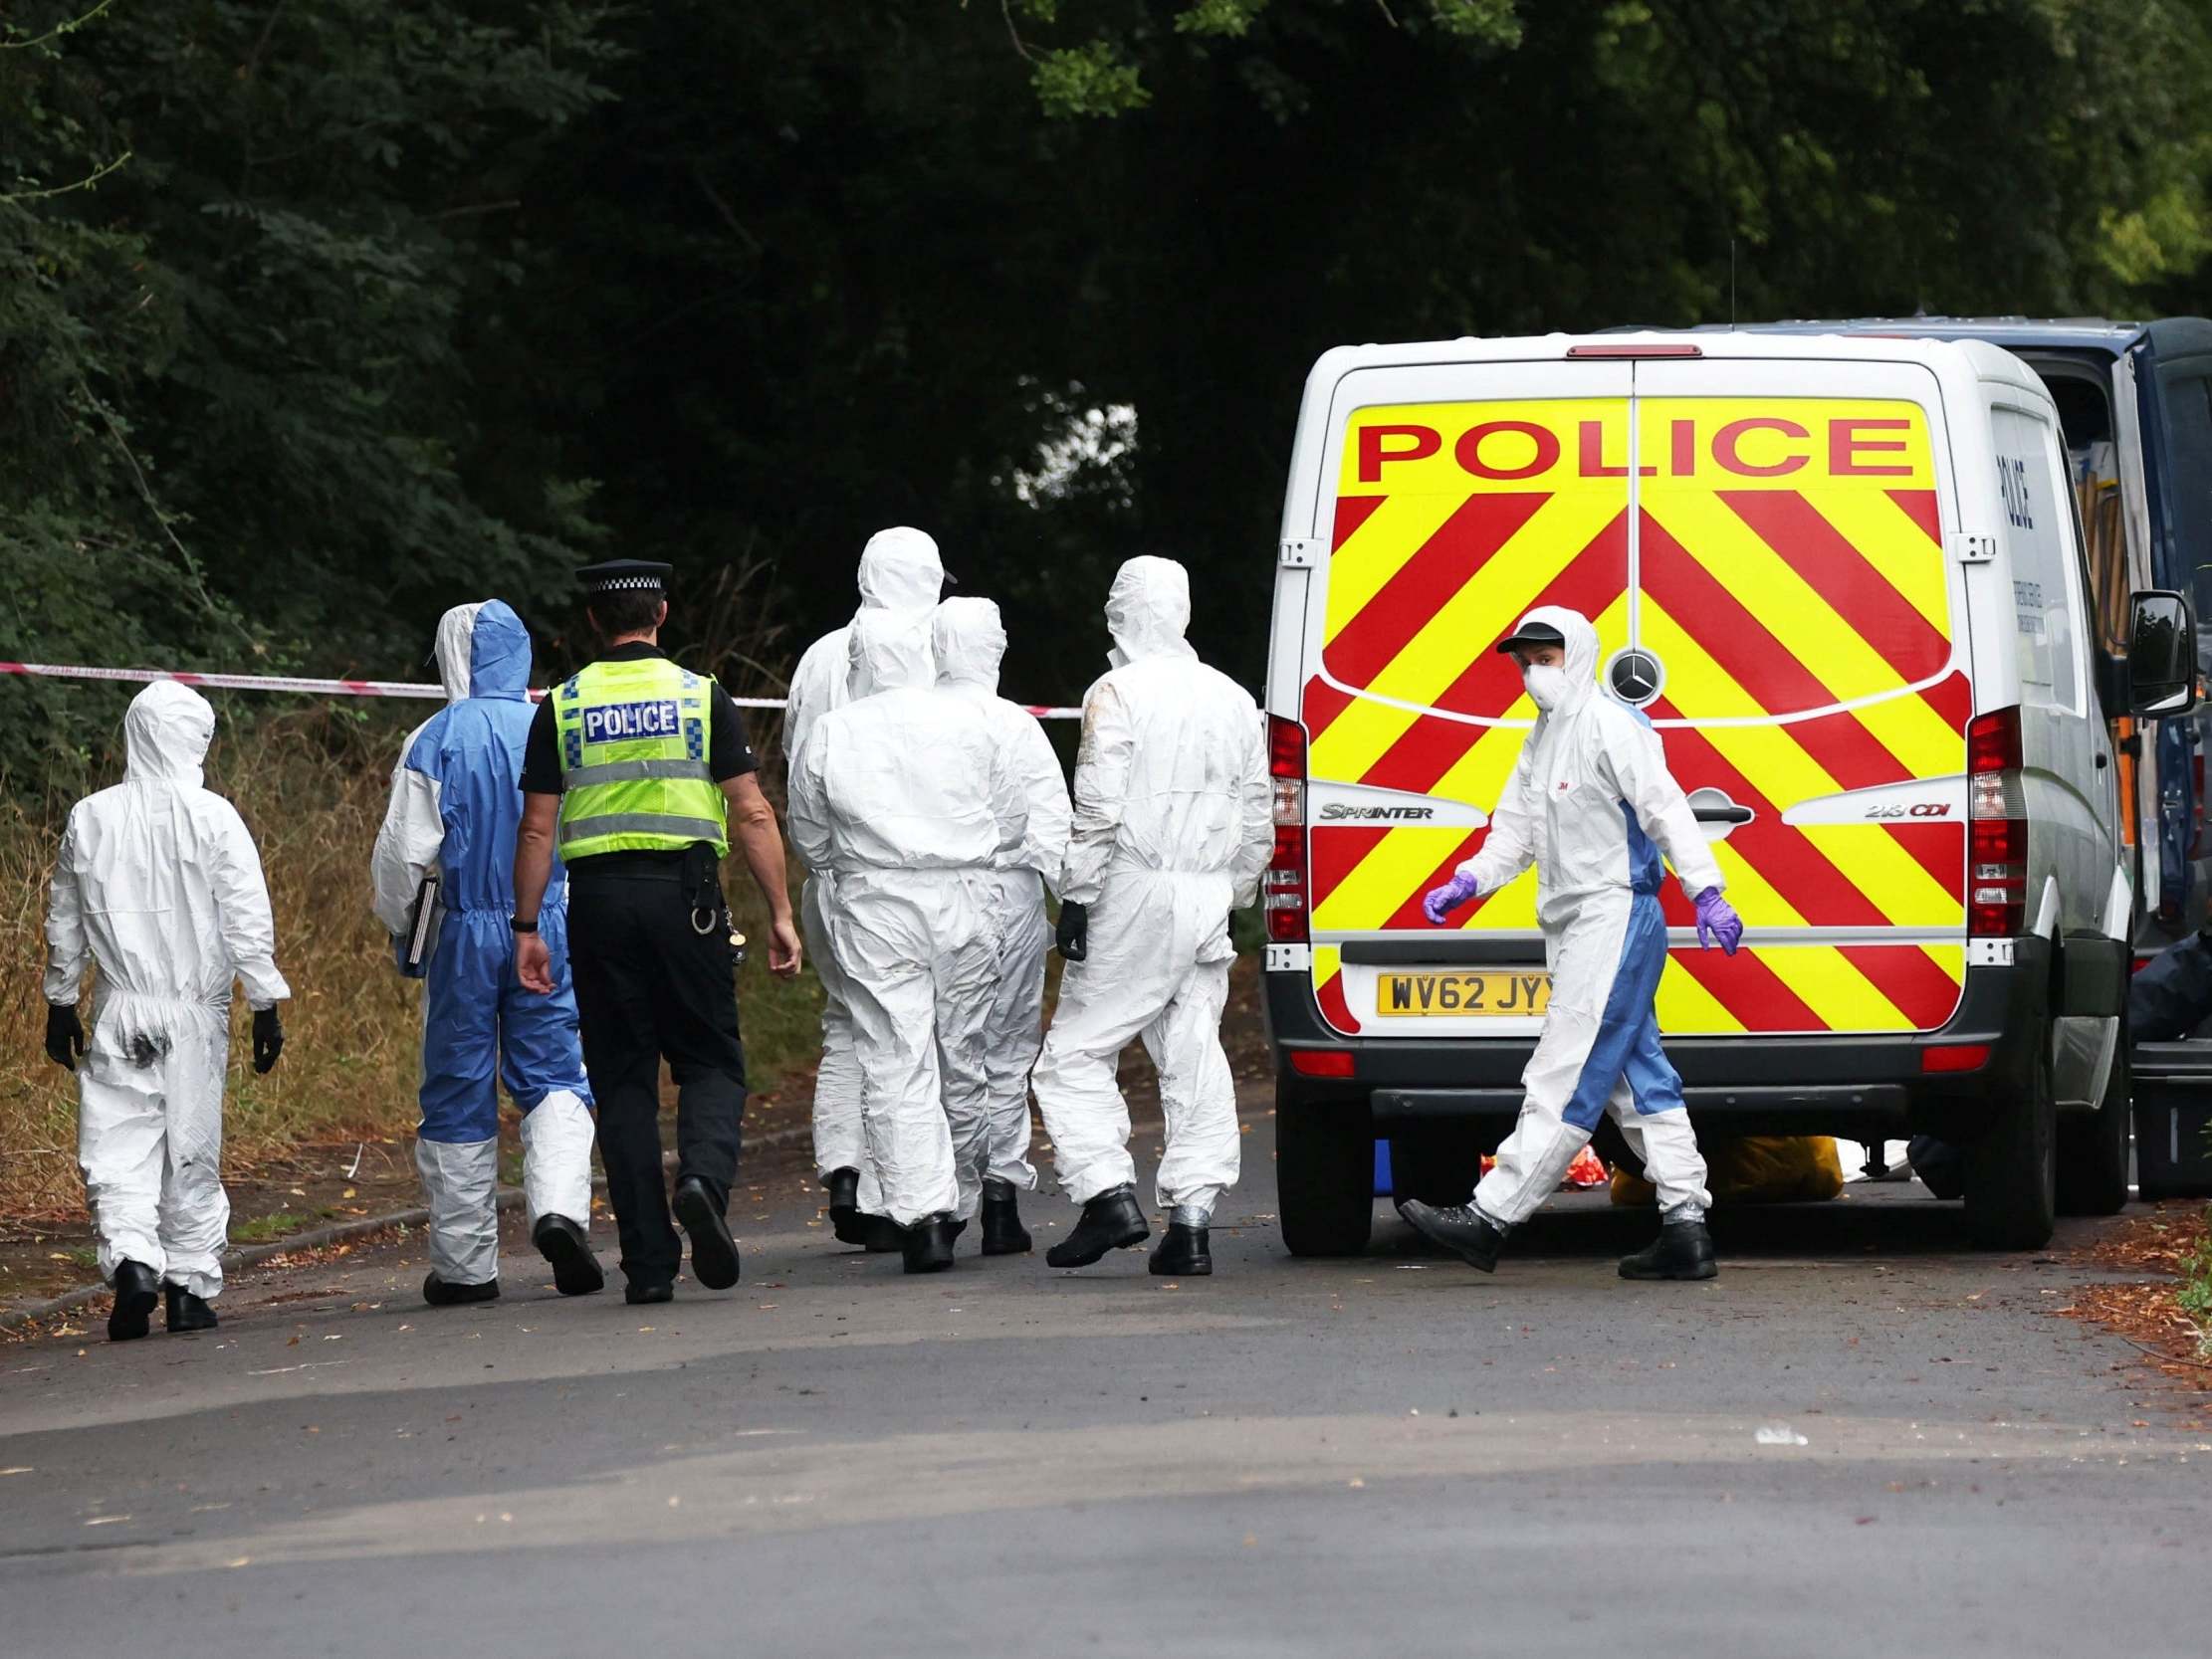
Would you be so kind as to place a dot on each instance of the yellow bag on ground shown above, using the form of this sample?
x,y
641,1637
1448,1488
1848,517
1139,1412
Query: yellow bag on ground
x,y
1755,1169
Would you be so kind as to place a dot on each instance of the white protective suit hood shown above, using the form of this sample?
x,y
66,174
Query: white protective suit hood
x,y
889,652
968,641
454,631
899,571
165,735
1148,610
1581,669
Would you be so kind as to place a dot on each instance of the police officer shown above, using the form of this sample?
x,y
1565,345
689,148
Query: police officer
x,y
645,770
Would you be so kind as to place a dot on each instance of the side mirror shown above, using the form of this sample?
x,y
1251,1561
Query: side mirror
x,y
2162,657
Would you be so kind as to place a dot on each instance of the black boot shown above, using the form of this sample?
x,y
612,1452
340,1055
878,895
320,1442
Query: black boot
x,y
1682,1250
845,1219
1182,1252
714,1253
879,1234
567,1247
928,1243
1111,1221
137,1289
439,1294
1003,1231
1461,1230
642,1293
187,1311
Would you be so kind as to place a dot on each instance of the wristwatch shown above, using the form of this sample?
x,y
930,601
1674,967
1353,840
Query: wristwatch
x,y
522,926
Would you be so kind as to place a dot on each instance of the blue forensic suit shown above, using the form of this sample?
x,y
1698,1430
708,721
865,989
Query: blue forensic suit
x,y
456,805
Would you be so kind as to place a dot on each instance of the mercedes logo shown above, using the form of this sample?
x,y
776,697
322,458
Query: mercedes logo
x,y
1635,677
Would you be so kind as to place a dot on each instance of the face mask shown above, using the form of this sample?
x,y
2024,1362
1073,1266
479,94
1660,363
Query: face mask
x,y
1547,687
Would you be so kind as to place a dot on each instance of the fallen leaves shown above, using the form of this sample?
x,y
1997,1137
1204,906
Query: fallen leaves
x,y
2147,1311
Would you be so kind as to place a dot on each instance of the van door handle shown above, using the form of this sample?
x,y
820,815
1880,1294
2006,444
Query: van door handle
x,y
1722,814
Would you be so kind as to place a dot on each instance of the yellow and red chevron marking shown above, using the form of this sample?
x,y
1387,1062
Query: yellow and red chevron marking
x,y
1795,596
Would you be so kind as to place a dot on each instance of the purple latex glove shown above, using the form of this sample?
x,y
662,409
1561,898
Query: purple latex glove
x,y
1717,921
1442,901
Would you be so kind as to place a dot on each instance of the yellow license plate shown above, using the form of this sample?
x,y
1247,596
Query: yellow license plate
x,y
1507,994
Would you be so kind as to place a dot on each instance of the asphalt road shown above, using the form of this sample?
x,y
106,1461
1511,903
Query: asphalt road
x,y
1393,1454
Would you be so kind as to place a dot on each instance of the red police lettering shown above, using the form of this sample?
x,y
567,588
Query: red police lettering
x,y
1425,443
1590,454
1728,448
1845,442
1468,450
1685,447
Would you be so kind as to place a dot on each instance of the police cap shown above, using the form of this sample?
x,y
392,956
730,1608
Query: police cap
x,y
626,576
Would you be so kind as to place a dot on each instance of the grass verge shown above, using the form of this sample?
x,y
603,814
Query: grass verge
x,y
2195,1296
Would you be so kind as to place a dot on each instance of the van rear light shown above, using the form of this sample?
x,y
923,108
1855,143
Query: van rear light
x,y
1997,837
1673,349
1283,887
1955,1057
1993,742
1321,1062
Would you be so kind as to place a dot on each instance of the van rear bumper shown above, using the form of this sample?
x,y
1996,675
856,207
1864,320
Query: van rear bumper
x,y
1863,1087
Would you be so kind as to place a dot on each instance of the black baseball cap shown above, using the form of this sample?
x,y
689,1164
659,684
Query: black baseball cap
x,y
626,576
1531,634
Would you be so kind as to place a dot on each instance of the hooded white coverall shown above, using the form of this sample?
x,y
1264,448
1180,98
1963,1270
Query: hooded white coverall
x,y
905,797
900,572
456,807
1173,827
1592,805
158,881
969,641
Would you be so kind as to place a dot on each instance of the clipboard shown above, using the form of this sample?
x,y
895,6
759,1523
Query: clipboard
x,y
420,941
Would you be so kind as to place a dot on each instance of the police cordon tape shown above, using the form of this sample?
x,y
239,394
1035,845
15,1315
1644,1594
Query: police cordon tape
x,y
347,688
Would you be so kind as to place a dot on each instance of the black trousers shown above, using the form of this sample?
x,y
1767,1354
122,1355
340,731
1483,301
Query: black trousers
x,y
648,985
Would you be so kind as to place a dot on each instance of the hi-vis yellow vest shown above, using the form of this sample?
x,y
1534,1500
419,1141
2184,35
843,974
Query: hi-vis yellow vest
x,y
634,741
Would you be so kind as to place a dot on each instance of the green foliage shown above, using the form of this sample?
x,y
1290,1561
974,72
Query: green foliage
x,y
1491,21
246,368
1090,80
1232,18
2195,1294
318,317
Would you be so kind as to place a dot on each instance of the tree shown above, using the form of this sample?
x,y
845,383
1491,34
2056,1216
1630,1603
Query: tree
x,y
244,350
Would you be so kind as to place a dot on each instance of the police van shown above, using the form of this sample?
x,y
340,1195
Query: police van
x,y
1845,578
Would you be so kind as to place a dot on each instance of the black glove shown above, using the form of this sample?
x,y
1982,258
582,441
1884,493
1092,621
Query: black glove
x,y
1073,936
268,1038
65,1035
